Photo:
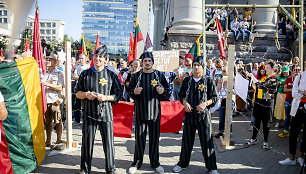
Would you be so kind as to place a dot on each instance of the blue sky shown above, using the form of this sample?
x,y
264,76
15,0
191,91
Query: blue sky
x,y
69,11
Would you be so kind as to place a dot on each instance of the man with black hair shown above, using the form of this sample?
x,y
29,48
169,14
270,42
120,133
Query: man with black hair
x,y
198,93
147,88
98,88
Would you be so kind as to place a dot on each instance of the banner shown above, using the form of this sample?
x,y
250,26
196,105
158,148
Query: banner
x,y
166,61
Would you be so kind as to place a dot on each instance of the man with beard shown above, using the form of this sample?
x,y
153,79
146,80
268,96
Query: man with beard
x,y
147,88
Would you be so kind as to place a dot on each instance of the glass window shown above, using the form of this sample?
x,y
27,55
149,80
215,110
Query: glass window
x,y
48,31
53,37
5,20
42,31
53,32
53,24
48,24
48,38
0,20
42,24
4,12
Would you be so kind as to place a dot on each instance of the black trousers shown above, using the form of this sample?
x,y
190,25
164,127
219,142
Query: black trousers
x,y
207,145
262,112
140,144
295,128
88,137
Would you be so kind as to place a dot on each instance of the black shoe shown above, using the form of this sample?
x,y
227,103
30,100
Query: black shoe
x,y
219,135
112,172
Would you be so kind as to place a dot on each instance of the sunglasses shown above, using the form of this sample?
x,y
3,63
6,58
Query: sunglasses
x,y
218,66
188,65
297,69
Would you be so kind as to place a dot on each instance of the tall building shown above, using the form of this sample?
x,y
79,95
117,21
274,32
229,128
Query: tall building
x,y
113,19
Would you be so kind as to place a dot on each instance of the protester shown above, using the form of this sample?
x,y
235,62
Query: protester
x,y
279,110
188,69
255,69
54,83
210,68
295,71
98,88
264,99
240,16
147,88
198,93
244,25
297,112
222,94
3,111
289,32
76,74
177,82
217,73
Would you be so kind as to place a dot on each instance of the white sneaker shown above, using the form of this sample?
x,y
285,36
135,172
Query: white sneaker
x,y
265,146
288,162
251,128
177,169
214,172
159,169
300,161
251,142
132,170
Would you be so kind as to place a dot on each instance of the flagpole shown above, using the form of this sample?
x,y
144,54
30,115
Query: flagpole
x,y
204,35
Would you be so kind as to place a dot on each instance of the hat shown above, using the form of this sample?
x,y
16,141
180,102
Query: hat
x,y
102,51
53,56
147,55
285,69
200,60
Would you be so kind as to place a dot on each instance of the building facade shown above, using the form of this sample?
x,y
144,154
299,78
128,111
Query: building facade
x,y
113,19
49,29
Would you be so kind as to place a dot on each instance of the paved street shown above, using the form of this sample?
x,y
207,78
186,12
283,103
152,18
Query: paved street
x,y
245,160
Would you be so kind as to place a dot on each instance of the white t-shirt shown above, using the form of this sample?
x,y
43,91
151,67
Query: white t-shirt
x,y
1,98
78,69
288,26
245,25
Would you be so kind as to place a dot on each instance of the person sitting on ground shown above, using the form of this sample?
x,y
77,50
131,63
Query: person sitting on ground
x,y
244,25
235,28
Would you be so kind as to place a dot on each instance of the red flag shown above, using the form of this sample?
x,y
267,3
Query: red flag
x,y
13,52
97,46
131,52
1,53
172,115
26,49
220,39
123,119
38,56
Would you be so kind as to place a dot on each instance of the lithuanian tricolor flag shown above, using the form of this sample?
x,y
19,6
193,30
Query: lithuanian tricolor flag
x,y
82,49
195,49
22,146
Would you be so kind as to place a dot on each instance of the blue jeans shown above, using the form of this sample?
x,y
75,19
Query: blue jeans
x,y
304,36
236,34
222,117
287,113
243,33
176,93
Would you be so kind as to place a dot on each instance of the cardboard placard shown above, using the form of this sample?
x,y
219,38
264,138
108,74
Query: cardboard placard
x,y
166,61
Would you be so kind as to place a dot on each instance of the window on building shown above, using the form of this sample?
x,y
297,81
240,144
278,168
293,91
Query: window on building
x,y
0,12
48,38
42,32
48,24
53,37
4,20
53,24
0,20
53,32
48,31
42,24
4,12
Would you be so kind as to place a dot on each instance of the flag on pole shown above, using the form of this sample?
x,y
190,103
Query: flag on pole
x,y
82,49
26,49
148,44
195,49
38,56
138,37
13,52
131,52
220,35
1,53
97,46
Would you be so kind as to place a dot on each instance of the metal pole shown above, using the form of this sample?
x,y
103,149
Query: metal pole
x,y
68,99
301,46
204,35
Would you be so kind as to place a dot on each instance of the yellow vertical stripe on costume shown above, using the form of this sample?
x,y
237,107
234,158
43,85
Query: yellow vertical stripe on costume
x,y
31,80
